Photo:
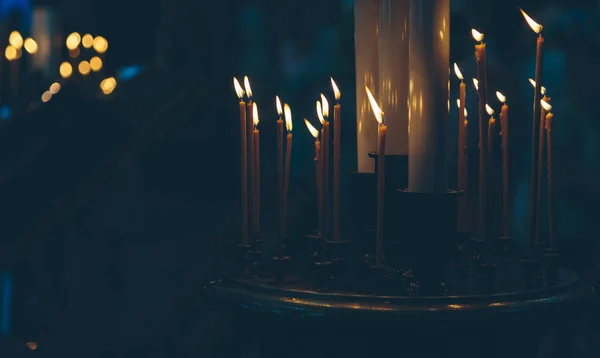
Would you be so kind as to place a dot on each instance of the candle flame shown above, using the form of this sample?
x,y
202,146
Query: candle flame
x,y
288,117
376,110
478,36
489,109
501,97
336,90
476,83
313,131
537,28
325,105
320,113
466,112
255,114
247,87
278,105
546,105
458,102
238,89
542,90
457,72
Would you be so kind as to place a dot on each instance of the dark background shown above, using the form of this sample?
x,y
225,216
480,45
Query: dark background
x,y
123,274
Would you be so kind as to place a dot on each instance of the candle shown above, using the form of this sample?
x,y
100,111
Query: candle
x,y
540,169
280,171
537,28
321,185
256,137
481,86
325,162
380,178
288,156
336,161
429,59
462,153
490,150
505,158
243,161
251,165
315,133
549,118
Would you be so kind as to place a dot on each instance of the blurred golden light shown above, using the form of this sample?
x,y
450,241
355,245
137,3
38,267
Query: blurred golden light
x,y
19,53
10,53
87,41
46,96
15,39
65,70
32,345
74,53
54,88
73,41
30,45
100,44
96,63
84,67
108,85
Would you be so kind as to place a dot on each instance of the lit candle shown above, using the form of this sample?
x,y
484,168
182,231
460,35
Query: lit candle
x,y
280,169
243,161
336,161
325,162
540,170
288,156
380,178
462,153
549,118
491,135
481,86
537,28
315,133
251,165
321,186
256,136
505,161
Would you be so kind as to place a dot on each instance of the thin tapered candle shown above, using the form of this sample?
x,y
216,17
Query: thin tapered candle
x,y
480,57
549,118
540,170
380,178
288,156
251,164
256,136
505,165
539,60
462,153
243,162
315,133
280,172
336,161
490,150
325,163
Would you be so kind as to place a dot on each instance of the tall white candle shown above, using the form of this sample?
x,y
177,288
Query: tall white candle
x,y
428,94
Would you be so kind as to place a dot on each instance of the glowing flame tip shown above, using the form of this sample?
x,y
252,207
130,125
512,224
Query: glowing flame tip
x,y
501,97
478,36
313,131
325,106
537,28
457,72
238,89
255,114
247,87
546,105
376,110
489,109
320,112
278,105
476,83
288,117
336,91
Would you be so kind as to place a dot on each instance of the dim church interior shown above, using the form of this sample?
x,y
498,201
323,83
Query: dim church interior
x,y
111,264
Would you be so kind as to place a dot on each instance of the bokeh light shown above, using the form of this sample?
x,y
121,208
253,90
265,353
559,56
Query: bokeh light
x,y
96,63
84,67
46,96
32,346
73,40
108,85
100,44
54,88
66,70
74,53
30,45
15,39
87,41
10,53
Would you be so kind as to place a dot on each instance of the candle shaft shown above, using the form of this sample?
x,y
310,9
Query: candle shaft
x,y
505,183
244,173
462,161
540,172
480,56
256,134
539,61
251,165
490,151
280,182
336,171
551,238
286,181
318,183
325,177
380,195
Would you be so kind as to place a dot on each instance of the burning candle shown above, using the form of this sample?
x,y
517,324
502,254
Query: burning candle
x,y
491,132
325,161
256,136
505,158
481,86
537,28
251,165
336,161
315,133
321,186
280,169
243,161
540,169
549,118
380,178
462,152
288,155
